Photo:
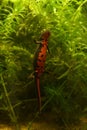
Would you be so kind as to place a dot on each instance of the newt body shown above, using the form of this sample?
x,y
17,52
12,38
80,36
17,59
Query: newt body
x,y
39,62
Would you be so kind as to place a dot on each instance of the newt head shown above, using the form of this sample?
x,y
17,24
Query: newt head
x,y
45,35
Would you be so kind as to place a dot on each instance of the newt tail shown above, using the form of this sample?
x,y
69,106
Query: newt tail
x,y
39,61
37,82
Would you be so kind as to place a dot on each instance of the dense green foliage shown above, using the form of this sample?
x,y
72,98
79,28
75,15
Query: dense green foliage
x,y
65,84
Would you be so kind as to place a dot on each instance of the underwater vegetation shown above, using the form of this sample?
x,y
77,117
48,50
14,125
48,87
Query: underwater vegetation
x,y
64,82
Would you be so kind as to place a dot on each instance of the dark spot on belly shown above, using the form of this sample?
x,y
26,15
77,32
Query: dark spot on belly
x,y
39,60
42,55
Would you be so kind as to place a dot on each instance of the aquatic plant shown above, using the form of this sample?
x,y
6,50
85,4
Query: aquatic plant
x,y
64,84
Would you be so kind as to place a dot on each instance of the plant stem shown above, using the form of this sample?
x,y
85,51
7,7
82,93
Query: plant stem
x,y
11,110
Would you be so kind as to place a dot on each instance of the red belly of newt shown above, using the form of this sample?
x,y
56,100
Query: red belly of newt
x,y
41,60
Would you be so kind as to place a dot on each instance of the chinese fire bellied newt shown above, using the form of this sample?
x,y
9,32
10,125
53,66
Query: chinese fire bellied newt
x,y
39,61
